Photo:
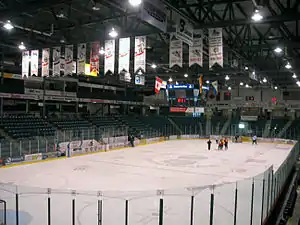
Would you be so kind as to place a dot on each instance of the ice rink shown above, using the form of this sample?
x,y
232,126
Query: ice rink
x,y
136,174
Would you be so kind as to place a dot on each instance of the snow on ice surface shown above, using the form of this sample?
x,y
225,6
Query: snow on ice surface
x,y
136,174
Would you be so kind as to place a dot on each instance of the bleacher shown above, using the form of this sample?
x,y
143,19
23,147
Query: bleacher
x,y
217,123
107,125
159,123
190,125
277,125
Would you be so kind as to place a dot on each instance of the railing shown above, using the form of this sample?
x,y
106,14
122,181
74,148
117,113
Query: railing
x,y
247,201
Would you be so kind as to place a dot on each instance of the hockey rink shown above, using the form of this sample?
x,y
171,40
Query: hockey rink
x,y
181,168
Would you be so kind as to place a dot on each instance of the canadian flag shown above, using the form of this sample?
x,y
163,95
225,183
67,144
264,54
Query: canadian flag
x,y
158,83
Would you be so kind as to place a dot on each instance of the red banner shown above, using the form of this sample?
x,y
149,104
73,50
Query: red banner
x,y
94,58
178,109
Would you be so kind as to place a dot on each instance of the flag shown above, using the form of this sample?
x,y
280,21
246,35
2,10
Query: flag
x,y
215,87
200,83
158,83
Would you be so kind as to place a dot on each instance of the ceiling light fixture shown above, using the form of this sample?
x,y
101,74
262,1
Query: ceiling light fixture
x,y
170,79
275,87
288,66
241,83
8,25
22,46
298,83
265,80
154,66
256,16
207,81
135,3
102,51
113,33
186,75
278,50
247,86
229,88
246,67
294,76
227,77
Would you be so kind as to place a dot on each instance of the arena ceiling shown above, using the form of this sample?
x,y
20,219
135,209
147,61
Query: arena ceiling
x,y
247,44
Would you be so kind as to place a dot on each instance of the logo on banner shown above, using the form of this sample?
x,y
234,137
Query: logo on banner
x,y
25,64
140,79
45,61
68,59
34,62
155,14
94,58
215,47
196,51
81,58
184,31
175,56
124,54
56,61
140,54
109,60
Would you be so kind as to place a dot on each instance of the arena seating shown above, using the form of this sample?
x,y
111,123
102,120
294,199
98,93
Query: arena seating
x,y
159,123
277,125
70,123
190,125
217,123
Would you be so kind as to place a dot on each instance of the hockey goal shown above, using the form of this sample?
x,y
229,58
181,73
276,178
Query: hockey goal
x,y
2,212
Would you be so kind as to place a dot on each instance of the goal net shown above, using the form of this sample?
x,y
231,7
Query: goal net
x,y
2,212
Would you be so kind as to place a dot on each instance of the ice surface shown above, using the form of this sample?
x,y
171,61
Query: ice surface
x,y
136,174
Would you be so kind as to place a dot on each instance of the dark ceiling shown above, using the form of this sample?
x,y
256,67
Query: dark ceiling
x,y
246,43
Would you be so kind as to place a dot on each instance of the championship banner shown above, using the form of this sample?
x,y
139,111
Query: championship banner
x,y
25,63
196,51
175,57
200,83
34,62
81,58
215,87
109,60
124,54
56,61
140,54
45,62
215,40
68,60
94,58
184,30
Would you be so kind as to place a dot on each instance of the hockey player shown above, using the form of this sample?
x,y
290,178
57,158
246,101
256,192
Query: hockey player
x,y
254,140
217,140
220,145
226,143
131,140
208,144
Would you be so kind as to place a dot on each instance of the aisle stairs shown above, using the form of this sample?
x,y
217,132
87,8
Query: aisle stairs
x,y
284,129
225,126
208,127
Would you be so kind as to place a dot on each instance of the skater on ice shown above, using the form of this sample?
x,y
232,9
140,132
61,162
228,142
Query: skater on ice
x,y
226,143
254,140
208,144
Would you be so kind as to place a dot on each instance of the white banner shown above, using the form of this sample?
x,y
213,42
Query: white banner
x,y
140,54
124,54
56,61
184,30
109,60
196,51
155,14
139,79
68,60
175,57
215,46
81,58
34,60
25,63
45,61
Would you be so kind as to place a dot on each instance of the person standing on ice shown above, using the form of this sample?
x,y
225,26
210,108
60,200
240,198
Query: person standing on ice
x,y
208,144
254,140
226,143
217,140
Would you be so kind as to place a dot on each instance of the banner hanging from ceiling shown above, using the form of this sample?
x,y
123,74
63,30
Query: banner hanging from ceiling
x,y
34,59
56,61
184,30
94,58
124,54
68,60
196,50
155,14
109,60
25,63
215,41
81,58
45,62
140,54
175,57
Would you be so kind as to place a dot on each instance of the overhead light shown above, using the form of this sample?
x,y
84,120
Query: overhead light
x,y
207,81
135,3
227,77
153,66
288,66
246,67
22,46
265,80
95,8
176,83
140,72
241,83
102,51
294,76
186,75
275,87
62,40
8,25
170,79
298,83
113,33
278,50
246,85
256,16
229,88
